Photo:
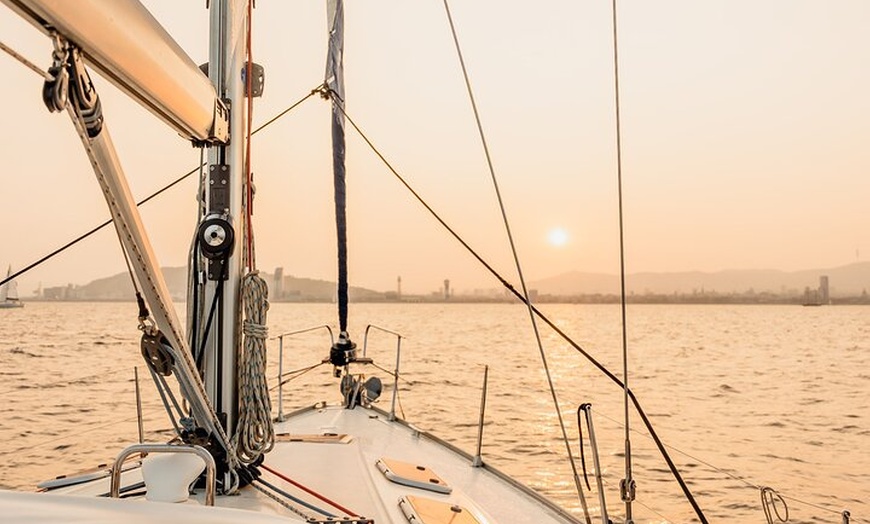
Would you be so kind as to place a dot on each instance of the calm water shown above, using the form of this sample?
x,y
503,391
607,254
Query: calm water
x,y
744,395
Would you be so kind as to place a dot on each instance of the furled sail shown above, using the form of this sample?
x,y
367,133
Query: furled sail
x,y
334,82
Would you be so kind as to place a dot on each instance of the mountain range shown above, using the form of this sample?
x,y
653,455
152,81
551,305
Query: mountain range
x,y
845,281
849,280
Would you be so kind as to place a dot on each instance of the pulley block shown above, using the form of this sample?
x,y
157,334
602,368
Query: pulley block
x,y
157,353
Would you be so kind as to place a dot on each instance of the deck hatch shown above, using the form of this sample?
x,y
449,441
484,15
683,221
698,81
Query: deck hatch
x,y
412,475
420,510
326,438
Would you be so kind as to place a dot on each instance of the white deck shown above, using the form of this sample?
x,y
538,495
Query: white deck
x,y
344,472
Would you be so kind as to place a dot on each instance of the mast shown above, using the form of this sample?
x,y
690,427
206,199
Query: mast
x,y
218,268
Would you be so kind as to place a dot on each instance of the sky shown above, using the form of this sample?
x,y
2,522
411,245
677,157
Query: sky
x,y
745,128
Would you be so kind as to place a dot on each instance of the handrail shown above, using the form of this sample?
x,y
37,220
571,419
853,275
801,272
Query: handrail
x,y
280,338
306,330
399,338
210,469
366,337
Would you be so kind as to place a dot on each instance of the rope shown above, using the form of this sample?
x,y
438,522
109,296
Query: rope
x,y
255,434
517,265
310,491
287,505
769,500
30,65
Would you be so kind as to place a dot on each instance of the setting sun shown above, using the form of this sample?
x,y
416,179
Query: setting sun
x,y
557,237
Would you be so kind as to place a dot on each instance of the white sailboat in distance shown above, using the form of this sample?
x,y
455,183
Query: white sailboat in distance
x,y
9,293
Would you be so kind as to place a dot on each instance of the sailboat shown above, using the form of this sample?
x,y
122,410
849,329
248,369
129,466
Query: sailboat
x,y
349,462
233,458
9,293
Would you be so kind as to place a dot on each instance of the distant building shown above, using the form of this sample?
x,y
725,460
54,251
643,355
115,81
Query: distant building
x,y
824,290
278,291
67,292
446,289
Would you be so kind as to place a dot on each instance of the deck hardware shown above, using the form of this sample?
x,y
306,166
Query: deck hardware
x,y
478,460
412,475
280,338
420,510
139,422
115,489
157,352
586,408
399,338
771,501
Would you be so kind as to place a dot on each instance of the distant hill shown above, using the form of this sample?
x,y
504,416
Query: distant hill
x,y
118,287
845,281
850,280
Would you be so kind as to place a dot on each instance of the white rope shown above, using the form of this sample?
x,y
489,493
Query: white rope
x,y
255,434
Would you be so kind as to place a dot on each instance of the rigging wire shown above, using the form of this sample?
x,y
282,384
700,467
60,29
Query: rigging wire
x,y
249,181
517,261
627,487
160,191
510,287
68,381
77,433
290,376
27,63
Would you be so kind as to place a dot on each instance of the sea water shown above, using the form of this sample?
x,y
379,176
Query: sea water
x,y
743,396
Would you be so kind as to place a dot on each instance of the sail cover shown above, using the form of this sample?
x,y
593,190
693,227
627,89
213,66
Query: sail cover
x,y
334,80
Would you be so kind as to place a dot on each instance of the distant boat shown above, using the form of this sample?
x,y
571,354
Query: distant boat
x,y
9,293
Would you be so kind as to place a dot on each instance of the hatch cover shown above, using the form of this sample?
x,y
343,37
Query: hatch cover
x,y
412,475
420,510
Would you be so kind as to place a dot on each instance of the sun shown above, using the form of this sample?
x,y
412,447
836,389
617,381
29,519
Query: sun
x,y
557,237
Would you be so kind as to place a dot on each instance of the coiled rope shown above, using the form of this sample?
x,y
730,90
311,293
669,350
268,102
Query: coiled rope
x,y
255,434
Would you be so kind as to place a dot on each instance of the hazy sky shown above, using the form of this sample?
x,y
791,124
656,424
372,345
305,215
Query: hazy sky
x,y
745,132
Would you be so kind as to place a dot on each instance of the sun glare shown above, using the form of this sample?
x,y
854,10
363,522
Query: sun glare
x,y
557,237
